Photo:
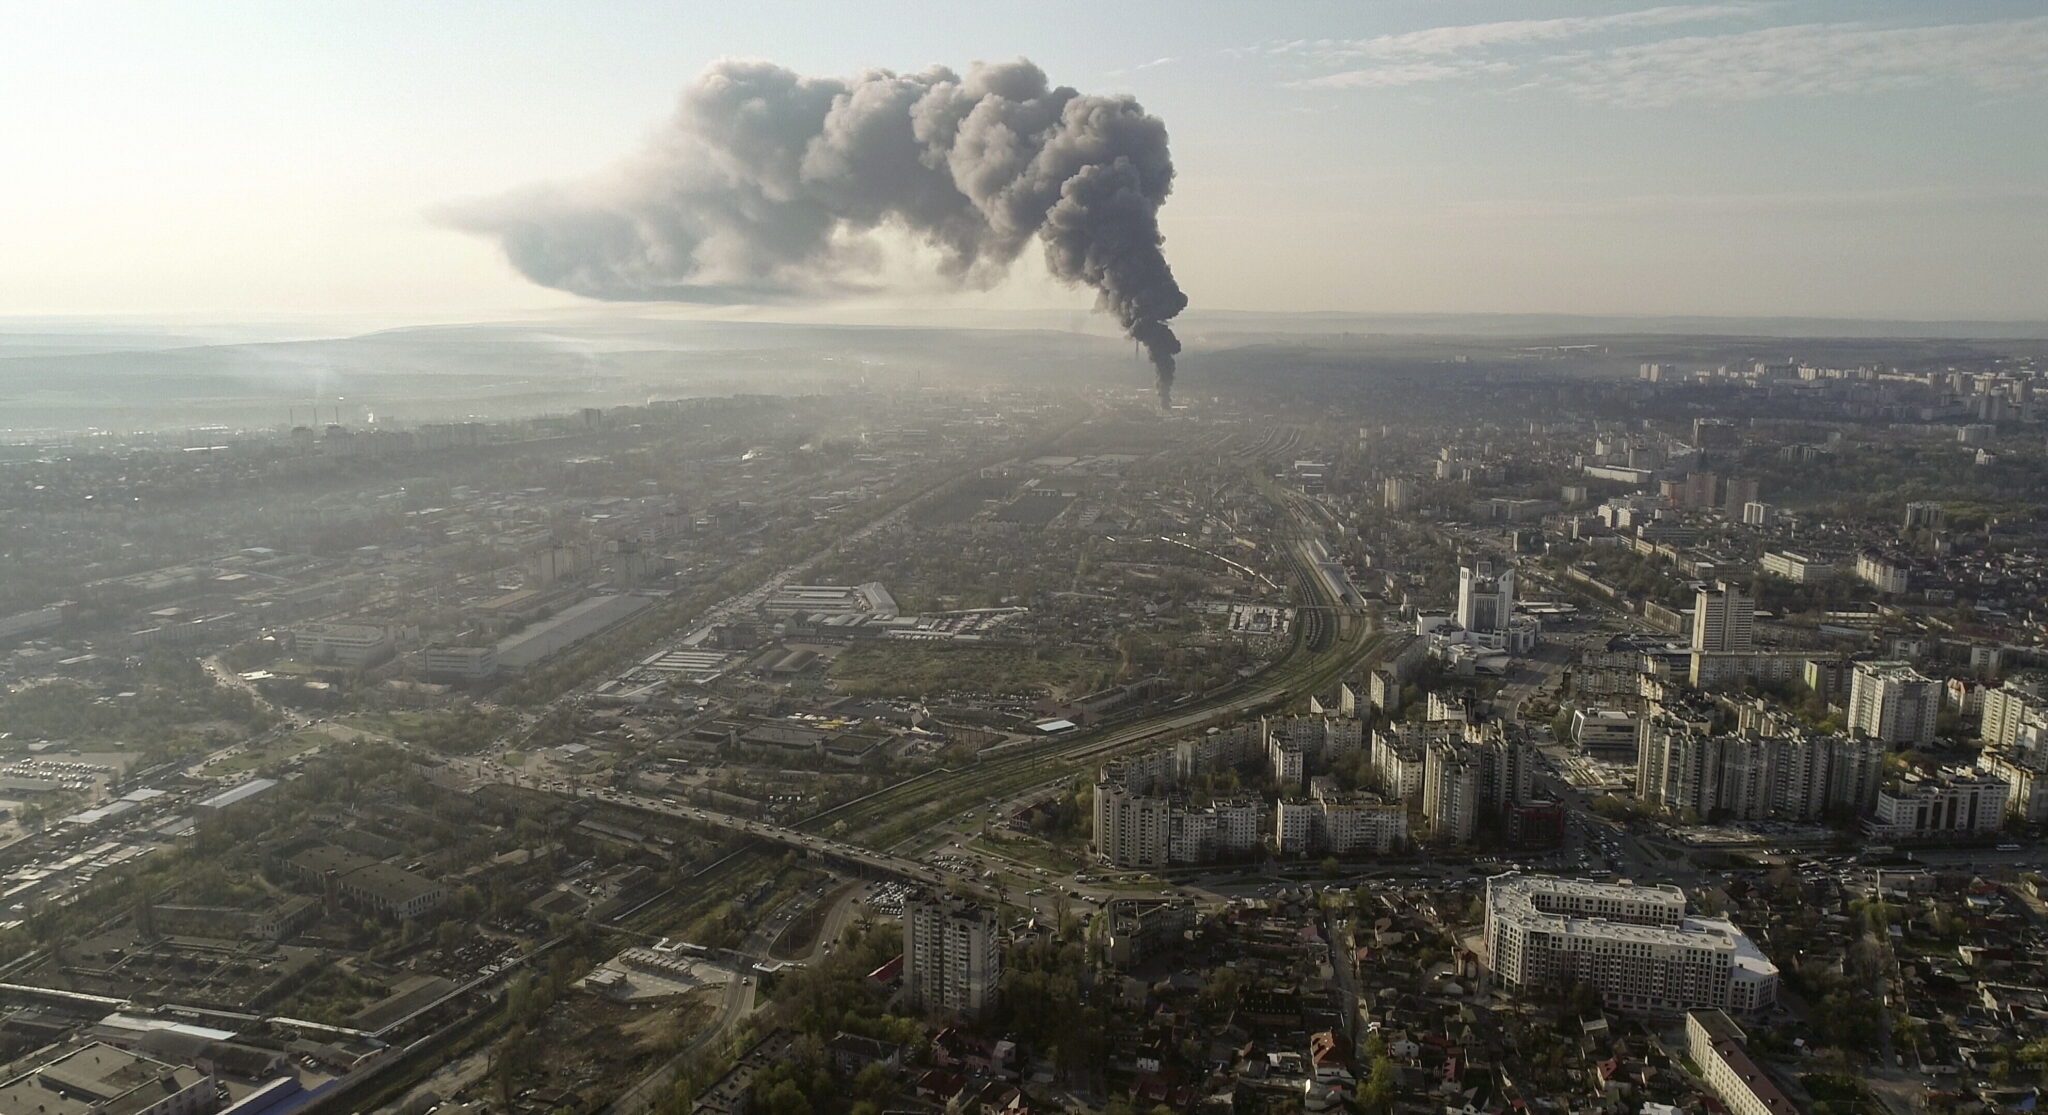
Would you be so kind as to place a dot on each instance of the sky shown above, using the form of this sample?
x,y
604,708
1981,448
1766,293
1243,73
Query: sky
x,y
1871,159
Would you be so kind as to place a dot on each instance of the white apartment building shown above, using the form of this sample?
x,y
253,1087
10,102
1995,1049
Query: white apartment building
x,y
1954,803
2026,787
1346,824
1136,825
1797,568
952,954
1467,780
1293,826
1213,751
1284,760
1883,573
1794,777
1635,944
1893,702
1130,826
1450,792
2009,707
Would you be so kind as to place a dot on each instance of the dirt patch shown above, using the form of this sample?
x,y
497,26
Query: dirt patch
x,y
596,1046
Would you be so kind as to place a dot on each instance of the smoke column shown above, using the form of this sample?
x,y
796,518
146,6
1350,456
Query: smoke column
x,y
767,186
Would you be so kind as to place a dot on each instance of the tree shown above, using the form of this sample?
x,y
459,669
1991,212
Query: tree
x,y
874,1082
1377,1094
786,1099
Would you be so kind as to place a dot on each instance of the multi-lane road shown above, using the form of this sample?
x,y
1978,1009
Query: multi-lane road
x,y
1333,640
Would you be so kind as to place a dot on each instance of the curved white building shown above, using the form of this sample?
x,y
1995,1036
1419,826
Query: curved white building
x,y
1635,943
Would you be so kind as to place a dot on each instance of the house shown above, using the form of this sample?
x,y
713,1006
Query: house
x,y
851,1053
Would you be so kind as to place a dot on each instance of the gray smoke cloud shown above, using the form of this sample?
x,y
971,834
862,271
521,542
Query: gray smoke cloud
x,y
768,186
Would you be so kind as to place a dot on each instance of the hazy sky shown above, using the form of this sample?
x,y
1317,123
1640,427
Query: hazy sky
x,y
1846,159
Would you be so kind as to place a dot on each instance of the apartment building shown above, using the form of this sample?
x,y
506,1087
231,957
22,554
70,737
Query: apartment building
x,y
1691,770
1950,804
952,954
1721,1050
1893,702
1636,945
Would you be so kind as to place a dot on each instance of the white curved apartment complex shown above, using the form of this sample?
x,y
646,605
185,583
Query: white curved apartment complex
x,y
1635,943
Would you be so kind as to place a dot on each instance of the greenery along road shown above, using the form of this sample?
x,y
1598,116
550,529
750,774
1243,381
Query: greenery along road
x,y
1331,642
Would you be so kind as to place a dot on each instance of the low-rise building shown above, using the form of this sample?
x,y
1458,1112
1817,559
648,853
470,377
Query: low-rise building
x,y
101,1079
1800,569
1605,732
459,663
350,645
368,883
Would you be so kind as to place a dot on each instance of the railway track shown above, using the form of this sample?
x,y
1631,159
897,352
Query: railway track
x,y
1330,643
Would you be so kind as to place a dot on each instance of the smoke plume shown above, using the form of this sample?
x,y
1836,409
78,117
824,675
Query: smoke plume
x,y
768,186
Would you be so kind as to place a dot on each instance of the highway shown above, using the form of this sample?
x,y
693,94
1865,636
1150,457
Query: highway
x,y
1333,641
865,860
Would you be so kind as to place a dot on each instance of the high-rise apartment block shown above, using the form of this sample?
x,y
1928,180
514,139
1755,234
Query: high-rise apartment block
x,y
2011,708
1144,816
1893,702
1925,515
952,954
1472,776
1690,770
1724,620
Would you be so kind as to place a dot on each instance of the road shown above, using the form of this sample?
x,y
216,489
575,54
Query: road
x,y
1332,643
229,679
735,1004
866,859
743,603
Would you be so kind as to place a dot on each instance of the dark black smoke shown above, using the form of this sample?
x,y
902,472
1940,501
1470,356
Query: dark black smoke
x,y
766,185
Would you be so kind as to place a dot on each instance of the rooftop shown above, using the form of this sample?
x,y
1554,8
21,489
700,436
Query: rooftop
x,y
95,1080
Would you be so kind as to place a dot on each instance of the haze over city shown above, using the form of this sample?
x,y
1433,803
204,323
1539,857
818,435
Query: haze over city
x,y
1413,557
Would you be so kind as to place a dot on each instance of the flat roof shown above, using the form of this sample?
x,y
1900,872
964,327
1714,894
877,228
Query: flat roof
x,y
237,794
573,625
